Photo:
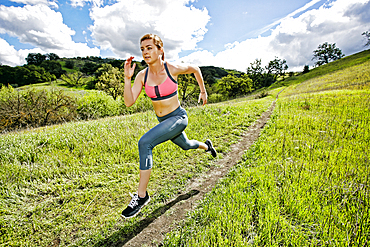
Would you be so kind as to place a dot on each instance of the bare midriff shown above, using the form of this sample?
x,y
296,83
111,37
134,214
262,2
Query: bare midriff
x,y
166,106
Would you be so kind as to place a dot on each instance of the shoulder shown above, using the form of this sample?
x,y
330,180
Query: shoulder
x,y
177,69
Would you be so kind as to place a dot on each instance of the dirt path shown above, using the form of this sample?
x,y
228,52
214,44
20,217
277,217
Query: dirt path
x,y
155,231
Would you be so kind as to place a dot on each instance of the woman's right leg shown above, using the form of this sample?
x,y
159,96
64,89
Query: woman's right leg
x,y
143,183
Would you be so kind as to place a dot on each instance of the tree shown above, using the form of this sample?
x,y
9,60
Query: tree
x,y
255,72
277,67
35,58
187,87
52,56
70,64
232,86
110,81
326,53
367,36
89,68
53,67
73,79
306,69
208,76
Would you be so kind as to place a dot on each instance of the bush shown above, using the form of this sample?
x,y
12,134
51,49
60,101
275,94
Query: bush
x,y
34,108
215,98
142,104
262,94
97,104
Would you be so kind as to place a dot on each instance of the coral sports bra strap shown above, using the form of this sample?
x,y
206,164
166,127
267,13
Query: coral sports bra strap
x,y
146,75
168,73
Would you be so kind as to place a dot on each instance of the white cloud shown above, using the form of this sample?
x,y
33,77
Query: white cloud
x,y
9,55
35,2
120,26
294,39
81,3
42,27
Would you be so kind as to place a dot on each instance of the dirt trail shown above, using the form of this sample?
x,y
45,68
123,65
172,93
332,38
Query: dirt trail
x,y
155,231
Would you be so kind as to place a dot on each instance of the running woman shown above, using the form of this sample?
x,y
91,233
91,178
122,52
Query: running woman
x,y
160,82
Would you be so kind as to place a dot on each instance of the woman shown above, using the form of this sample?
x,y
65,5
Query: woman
x,y
159,80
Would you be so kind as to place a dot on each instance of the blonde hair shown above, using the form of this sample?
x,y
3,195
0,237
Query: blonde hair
x,y
156,41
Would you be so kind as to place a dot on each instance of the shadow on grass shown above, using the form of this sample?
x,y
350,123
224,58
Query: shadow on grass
x,y
124,235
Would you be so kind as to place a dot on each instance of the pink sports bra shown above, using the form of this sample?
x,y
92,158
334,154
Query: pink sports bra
x,y
165,90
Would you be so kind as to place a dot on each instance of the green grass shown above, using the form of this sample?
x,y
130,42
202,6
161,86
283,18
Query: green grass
x,y
69,183
305,182
332,67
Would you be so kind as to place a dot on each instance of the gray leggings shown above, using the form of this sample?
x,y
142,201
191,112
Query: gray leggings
x,y
170,127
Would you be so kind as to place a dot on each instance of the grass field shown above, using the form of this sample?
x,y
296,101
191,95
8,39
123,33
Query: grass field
x,y
304,183
68,184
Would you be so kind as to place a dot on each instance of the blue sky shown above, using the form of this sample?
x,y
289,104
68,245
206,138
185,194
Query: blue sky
x,y
229,34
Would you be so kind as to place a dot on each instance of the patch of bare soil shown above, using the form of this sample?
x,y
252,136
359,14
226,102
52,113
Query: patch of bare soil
x,y
155,230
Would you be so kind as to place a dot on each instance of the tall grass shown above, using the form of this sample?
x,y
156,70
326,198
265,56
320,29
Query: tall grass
x,y
68,184
332,67
305,182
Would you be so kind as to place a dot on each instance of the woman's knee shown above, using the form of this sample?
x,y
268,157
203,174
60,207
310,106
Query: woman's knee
x,y
144,143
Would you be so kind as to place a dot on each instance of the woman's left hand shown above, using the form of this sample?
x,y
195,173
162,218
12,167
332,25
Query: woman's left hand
x,y
203,97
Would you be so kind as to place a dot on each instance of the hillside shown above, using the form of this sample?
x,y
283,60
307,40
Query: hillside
x,y
303,182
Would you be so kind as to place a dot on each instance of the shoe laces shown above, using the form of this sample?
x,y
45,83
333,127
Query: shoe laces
x,y
134,201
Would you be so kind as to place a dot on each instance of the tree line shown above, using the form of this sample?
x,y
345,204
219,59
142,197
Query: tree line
x,y
31,108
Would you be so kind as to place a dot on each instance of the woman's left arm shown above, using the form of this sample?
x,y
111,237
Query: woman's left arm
x,y
192,69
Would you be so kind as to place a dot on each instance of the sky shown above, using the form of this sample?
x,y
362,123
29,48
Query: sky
x,y
229,34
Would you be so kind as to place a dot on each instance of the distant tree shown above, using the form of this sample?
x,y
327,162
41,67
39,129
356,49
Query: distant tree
x,y
326,53
70,64
187,87
367,36
52,56
53,67
89,68
208,76
7,75
232,86
306,69
255,72
277,67
36,74
117,63
73,79
35,59
110,81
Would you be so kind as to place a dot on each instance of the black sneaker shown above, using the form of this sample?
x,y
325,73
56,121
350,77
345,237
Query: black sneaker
x,y
211,148
135,205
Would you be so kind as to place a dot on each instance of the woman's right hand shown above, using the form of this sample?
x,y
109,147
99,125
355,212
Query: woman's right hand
x,y
129,71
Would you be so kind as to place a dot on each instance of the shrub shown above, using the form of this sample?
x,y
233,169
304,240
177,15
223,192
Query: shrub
x,y
142,104
97,104
262,94
215,98
34,108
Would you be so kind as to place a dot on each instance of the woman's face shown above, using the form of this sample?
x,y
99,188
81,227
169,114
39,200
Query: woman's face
x,y
150,51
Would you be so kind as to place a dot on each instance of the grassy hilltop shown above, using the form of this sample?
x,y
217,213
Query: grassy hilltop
x,y
305,182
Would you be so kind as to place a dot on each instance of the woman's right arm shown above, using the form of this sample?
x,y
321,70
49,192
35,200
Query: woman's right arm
x,y
132,93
